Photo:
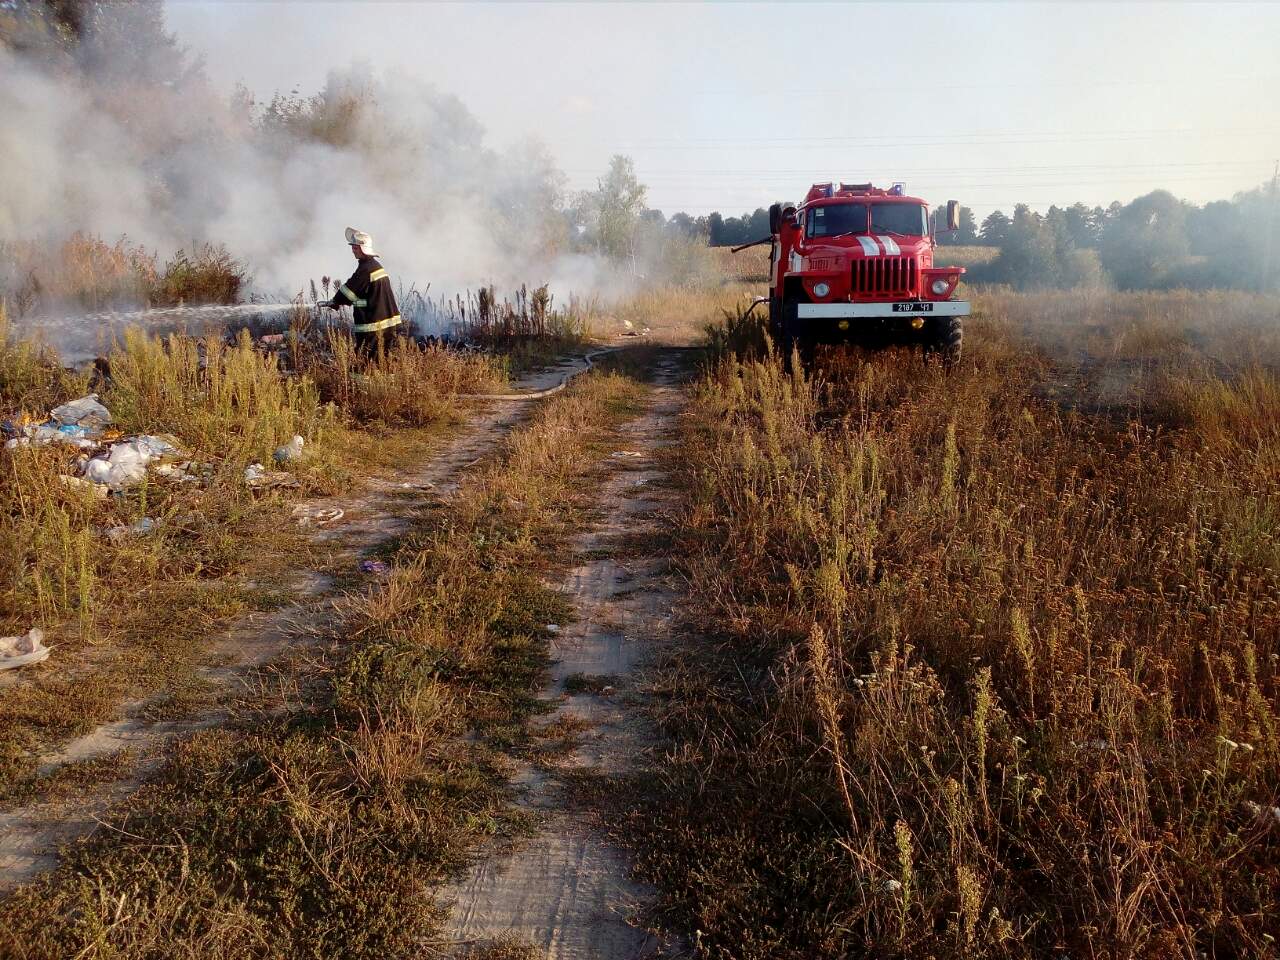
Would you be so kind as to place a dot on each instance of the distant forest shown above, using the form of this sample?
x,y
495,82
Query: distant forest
x,y
1155,242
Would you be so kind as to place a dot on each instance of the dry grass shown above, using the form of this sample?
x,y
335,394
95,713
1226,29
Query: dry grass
x,y
88,272
132,619
964,256
995,669
409,385
745,266
679,315
314,829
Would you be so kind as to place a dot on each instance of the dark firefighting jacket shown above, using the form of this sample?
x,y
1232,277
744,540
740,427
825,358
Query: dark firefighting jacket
x,y
369,293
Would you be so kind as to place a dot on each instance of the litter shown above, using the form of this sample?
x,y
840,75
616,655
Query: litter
x,y
80,483
186,471
20,651
374,566
308,514
44,434
553,628
290,451
626,454
125,464
86,412
606,691
258,477
141,528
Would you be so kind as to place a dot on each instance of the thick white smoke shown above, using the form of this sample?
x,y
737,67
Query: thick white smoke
x,y
172,164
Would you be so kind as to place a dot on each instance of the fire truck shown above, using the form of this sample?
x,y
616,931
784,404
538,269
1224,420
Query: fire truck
x,y
854,263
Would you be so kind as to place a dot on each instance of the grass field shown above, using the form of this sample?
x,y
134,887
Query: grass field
x,y
312,824
979,661
132,616
989,657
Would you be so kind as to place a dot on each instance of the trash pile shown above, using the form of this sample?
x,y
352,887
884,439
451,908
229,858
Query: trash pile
x,y
80,423
111,462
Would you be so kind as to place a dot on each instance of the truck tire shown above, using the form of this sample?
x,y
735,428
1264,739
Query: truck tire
x,y
791,340
946,338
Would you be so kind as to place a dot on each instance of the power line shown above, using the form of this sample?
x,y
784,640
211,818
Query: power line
x,y
809,171
1074,84
951,140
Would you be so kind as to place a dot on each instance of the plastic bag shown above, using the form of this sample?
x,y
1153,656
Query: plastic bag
x,y
290,451
86,412
19,651
141,528
125,464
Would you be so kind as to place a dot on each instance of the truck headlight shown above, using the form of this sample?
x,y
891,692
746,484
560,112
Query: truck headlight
x,y
939,287
821,289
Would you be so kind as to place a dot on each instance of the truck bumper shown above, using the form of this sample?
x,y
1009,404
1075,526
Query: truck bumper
x,y
903,308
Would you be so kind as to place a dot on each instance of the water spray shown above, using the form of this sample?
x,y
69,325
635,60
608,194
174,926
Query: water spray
x,y
81,337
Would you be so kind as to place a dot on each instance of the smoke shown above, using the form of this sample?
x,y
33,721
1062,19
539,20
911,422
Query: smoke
x,y
113,145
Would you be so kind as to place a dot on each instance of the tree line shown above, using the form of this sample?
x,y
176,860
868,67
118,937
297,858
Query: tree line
x,y
1156,241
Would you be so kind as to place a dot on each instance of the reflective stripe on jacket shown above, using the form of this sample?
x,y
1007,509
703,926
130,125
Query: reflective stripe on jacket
x,y
369,293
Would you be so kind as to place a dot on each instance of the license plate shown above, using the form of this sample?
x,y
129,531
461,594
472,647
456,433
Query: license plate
x,y
913,308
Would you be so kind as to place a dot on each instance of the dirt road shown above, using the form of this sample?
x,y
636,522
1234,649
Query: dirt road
x,y
564,893
30,835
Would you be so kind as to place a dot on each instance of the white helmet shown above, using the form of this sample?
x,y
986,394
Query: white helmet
x,y
358,238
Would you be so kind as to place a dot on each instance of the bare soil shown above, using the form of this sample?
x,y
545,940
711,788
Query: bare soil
x,y
565,892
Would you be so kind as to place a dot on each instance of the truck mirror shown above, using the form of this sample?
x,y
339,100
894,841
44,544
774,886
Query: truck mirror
x,y
775,217
953,214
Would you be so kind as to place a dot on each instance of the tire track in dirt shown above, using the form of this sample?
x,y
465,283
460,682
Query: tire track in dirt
x,y
565,891
380,511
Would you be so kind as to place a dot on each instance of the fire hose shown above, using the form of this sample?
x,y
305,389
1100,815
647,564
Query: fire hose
x,y
549,391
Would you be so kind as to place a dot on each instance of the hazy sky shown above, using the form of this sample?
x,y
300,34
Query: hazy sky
x,y
730,106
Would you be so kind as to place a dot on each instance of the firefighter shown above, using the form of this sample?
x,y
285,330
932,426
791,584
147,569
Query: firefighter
x,y
369,293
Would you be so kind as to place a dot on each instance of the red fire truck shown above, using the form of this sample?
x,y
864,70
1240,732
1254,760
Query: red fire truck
x,y
855,263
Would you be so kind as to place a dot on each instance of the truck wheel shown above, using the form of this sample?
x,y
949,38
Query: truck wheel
x,y
945,338
791,341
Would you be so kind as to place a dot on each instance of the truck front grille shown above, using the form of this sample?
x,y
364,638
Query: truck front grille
x,y
885,276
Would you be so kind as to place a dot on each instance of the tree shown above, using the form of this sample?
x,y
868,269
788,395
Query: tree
x,y
995,229
1029,255
715,228
685,225
1083,225
616,205
1146,242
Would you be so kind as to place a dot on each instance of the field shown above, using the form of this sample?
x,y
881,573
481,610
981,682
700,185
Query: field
x,y
986,659
969,661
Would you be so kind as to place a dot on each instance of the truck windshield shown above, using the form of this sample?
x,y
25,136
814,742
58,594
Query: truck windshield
x,y
837,219
905,218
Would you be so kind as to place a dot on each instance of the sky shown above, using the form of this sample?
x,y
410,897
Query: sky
x,y
730,106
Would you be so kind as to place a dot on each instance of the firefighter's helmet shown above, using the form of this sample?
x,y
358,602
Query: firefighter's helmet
x,y
358,238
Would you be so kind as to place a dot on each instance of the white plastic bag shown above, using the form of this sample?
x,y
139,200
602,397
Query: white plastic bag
x,y
125,464
19,651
